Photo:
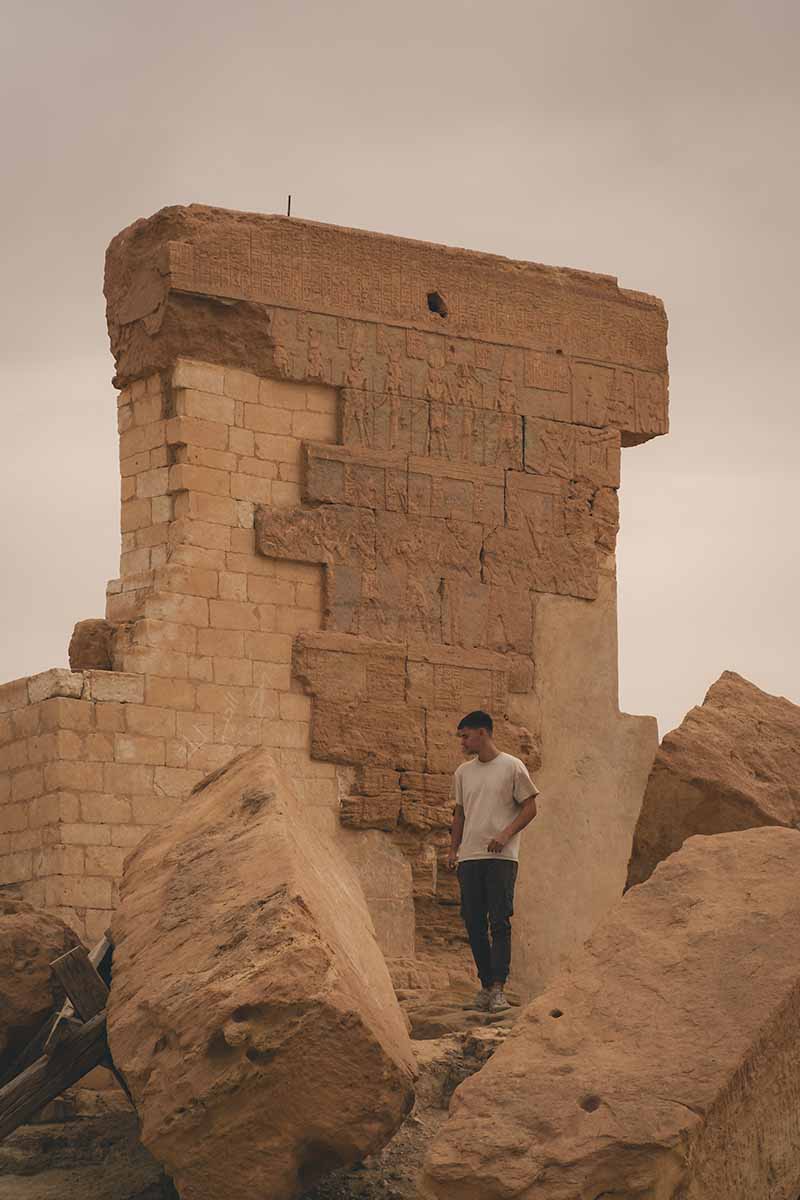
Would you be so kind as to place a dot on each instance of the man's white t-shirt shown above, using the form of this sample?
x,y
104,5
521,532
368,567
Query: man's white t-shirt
x,y
490,794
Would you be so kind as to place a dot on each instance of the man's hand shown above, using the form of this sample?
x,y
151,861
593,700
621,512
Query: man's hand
x,y
497,843
452,860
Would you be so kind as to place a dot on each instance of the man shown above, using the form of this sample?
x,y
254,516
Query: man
x,y
495,798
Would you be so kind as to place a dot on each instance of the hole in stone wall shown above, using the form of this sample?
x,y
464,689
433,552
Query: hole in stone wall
x,y
436,303
590,1103
556,1012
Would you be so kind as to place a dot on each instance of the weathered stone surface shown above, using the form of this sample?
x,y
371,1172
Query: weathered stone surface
x,y
29,941
91,646
663,1062
251,1010
733,763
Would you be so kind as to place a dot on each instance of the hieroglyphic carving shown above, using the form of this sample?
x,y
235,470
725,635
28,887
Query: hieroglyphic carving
x,y
547,372
572,451
333,534
324,269
632,401
357,411
315,367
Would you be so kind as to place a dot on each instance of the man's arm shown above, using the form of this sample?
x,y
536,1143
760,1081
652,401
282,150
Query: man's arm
x,y
456,834
524,817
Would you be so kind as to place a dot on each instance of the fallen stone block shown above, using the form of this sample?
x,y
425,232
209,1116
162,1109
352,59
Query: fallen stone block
x,y
734,763
664,1062
29,941
251,1010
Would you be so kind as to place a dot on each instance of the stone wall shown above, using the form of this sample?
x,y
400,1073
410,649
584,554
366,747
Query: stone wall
x,y
367,485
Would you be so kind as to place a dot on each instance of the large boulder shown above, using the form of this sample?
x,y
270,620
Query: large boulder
x,y
734,763
664,1062
29,941
251,1011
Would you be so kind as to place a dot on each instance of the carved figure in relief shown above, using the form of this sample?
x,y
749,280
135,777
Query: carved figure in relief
x,y
394,389
468,416
466,387
556,449
507,395
452,603
507,438
346,541
649,396
495,800
283,360
355,418
621,408
360,490
437,385
394,373
372,601
592,393
418,610
439,427
396,491
394,422
355,376
315,368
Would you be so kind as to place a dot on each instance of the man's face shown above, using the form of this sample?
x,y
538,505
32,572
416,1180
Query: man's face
x,y
471,740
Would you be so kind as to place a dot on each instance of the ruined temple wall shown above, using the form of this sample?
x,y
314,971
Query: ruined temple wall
x,y
347,518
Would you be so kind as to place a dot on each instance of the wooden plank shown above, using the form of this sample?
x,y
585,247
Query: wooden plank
x,y
36,1045
96,958
77,1054
80,981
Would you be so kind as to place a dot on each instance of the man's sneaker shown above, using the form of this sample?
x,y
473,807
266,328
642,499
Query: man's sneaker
x,y
497,1001
482,1002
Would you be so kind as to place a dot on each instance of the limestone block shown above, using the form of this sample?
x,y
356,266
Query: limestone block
x,y
369,732
55,682
663,1062
92,646
733,763
120,686
330,534
374,334
29,941
251,1009
566,451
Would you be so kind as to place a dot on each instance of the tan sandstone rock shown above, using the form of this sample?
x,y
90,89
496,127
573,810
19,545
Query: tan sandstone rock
x,y
734,763
251,1009
91,647
663,1063
29,941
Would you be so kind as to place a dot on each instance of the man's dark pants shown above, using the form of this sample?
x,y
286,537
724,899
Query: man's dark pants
x,y
487,906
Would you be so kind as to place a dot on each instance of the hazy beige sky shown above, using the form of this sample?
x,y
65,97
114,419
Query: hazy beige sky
x,y
657,142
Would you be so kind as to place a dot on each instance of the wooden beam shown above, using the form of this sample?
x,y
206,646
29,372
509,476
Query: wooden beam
x,y
36,1045
96,958
80,981
80,1051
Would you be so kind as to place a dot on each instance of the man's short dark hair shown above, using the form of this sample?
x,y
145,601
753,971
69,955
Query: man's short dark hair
x,y
477,720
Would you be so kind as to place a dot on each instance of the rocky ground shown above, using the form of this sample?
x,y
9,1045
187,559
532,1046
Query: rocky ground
x,y
100,1156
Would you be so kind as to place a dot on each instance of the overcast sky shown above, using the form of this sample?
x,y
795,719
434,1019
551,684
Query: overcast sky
x,y
656,142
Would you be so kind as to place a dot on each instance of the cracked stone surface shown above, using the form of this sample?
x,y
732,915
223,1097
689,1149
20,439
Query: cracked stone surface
x,y
663,1063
